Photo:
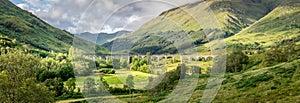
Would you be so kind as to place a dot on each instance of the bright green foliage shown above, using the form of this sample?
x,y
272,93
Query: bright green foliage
x,y
140,64
71,86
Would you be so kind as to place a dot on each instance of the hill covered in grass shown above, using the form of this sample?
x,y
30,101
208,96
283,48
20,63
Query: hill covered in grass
x,y
277,83
30,31
279,27
247,23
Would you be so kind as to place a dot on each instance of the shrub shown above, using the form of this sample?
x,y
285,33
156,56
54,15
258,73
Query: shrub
x,y
253,81
236,61
108,71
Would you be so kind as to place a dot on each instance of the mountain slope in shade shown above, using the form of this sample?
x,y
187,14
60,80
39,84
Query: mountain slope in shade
x,y
102,37
29,29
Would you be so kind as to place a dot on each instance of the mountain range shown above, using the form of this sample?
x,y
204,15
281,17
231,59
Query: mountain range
x,y
102,38
246,24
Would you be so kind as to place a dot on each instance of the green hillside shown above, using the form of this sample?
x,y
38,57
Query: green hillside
x,y
179,24
279,27
31,31
279,83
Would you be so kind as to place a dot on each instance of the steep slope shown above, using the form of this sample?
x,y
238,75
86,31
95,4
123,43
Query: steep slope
x,y
179,24
26,28
279,27
233,15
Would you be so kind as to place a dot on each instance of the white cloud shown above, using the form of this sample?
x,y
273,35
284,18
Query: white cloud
x,y
108,29
132,19
23,6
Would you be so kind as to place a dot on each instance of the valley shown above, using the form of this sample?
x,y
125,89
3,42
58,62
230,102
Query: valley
x,y
250,53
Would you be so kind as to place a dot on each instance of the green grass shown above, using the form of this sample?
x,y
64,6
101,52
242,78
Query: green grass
x,y
281,24
272,84
118,79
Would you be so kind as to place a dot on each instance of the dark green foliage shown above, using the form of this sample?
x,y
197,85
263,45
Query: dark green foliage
x,y
253,81
120,91
278,54
56,85
236,61
46,74
169,81
65,72
108,71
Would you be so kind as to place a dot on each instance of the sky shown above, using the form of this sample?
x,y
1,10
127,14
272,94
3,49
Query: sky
x,y
95,16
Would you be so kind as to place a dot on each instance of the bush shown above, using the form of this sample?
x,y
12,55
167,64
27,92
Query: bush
x,y
108,71
236,61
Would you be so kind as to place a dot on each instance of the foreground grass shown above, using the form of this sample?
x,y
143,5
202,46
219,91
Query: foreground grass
x,y
278,83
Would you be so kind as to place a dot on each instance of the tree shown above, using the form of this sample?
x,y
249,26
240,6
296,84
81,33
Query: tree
x,y
71,86
89,86
18,82
116,63
129,82
65,71
236,61
148,57
56,85
102,85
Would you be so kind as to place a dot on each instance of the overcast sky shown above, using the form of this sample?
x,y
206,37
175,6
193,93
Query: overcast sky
x,y
77,16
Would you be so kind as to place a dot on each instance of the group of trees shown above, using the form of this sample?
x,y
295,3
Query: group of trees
x,y
28,76
18,80
238,61
141,64
278,54
100,87
169,81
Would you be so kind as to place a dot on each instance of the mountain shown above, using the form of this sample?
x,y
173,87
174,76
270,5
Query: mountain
x,y
279,27
102,37
30,31
236,18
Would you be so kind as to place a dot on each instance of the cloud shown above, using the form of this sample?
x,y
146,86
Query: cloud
x,y
96,16
23,6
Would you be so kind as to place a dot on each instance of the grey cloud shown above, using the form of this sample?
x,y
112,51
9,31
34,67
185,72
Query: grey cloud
x,y
79,16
